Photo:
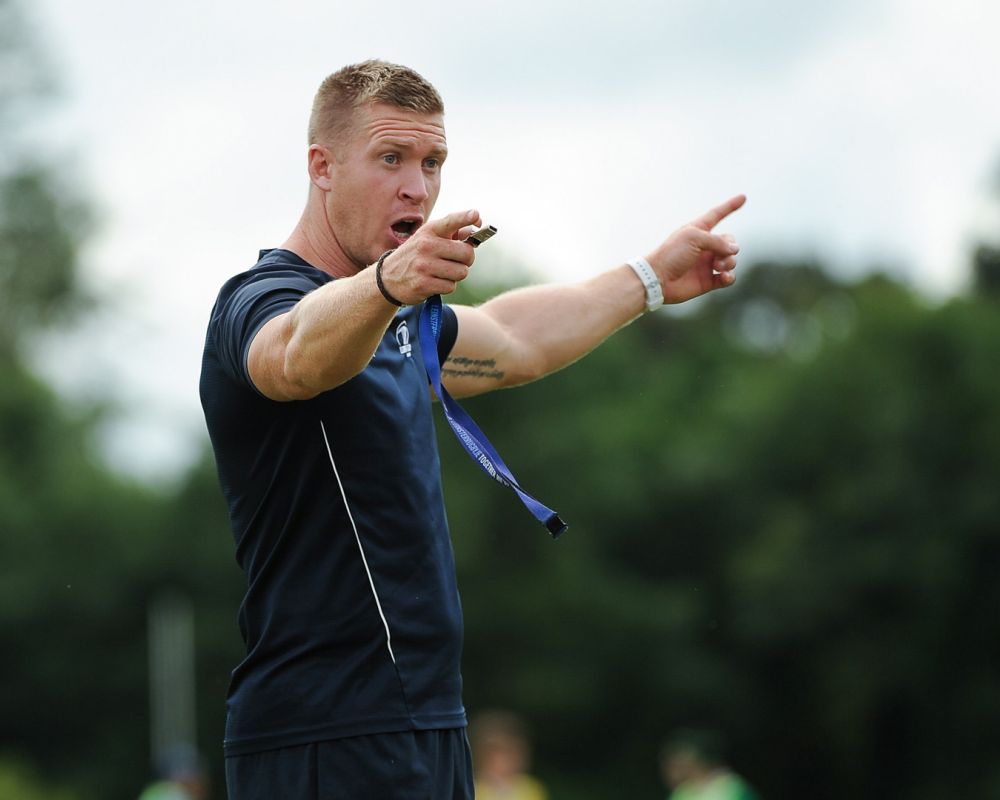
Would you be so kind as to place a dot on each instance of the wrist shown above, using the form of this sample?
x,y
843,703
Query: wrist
x,y
379,282
650,282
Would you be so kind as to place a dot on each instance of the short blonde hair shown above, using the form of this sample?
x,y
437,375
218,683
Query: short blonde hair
x,y
372,81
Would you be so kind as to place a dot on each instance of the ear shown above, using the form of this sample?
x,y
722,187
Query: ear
x,y
320,166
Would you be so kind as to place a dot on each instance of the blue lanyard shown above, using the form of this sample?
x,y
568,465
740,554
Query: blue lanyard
x,y
472,439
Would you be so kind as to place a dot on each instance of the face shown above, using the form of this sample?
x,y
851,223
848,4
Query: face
x,y
682,766
502,758
384,179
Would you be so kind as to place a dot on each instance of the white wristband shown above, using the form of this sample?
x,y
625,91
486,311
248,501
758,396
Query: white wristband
x,y
654,292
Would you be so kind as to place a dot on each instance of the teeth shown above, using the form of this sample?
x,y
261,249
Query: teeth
x,y
404,229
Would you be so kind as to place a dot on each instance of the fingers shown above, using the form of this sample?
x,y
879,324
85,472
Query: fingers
x,y
714,216
723,279
464,233
432,261
722,267
446,250
722,246
693,260
725,264
451,224
443,241
412,277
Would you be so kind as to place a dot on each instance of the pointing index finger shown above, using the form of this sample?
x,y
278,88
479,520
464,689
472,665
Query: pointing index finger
x,y
449,225
713,217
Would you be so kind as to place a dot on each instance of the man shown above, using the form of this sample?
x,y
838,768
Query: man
x,y
318,405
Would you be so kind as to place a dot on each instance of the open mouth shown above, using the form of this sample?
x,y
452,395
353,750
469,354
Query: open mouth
x,y
403,229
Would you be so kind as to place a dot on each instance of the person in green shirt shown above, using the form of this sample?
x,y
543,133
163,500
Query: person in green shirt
x,y
692,766
182,774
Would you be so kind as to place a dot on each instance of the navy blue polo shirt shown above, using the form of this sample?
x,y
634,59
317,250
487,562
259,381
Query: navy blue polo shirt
x,y
351,618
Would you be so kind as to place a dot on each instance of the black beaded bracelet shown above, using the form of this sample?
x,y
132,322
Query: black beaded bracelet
x,y
378,279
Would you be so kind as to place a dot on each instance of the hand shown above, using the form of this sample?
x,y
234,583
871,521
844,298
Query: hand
x,y
433,260
693,260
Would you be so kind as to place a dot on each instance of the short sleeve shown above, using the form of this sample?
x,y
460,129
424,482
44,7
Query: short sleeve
x,y
245,304
449,332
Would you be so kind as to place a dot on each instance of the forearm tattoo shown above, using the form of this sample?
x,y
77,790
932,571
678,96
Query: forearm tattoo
x,y
462,367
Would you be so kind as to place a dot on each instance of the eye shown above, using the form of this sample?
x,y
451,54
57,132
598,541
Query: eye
x,y
432,163
390,158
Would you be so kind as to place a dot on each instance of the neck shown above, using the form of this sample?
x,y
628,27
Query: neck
x,y
315,241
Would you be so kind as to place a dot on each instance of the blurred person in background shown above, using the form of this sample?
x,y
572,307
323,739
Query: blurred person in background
x,y
692,765
501,753
183,777
318,404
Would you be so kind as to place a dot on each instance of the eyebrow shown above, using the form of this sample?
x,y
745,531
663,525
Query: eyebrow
x,y
399,144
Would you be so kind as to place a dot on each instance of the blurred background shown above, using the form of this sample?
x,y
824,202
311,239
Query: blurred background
x,y
785,526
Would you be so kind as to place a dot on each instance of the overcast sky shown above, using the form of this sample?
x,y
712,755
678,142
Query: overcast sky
x,y
863,133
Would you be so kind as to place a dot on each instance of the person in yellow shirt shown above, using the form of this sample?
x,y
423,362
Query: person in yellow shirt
x,y
501,754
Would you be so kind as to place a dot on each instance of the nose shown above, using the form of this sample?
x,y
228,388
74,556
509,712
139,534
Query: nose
x,y
413,186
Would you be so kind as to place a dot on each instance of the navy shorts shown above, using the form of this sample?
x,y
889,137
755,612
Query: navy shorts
x,y
413,765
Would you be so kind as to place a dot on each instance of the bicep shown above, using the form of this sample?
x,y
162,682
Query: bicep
x,y
265,361
326,338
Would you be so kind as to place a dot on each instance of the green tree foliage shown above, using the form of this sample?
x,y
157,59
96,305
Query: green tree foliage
x,y
82,551
19,783
40,230
783,524
41,222
83,554
986,270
